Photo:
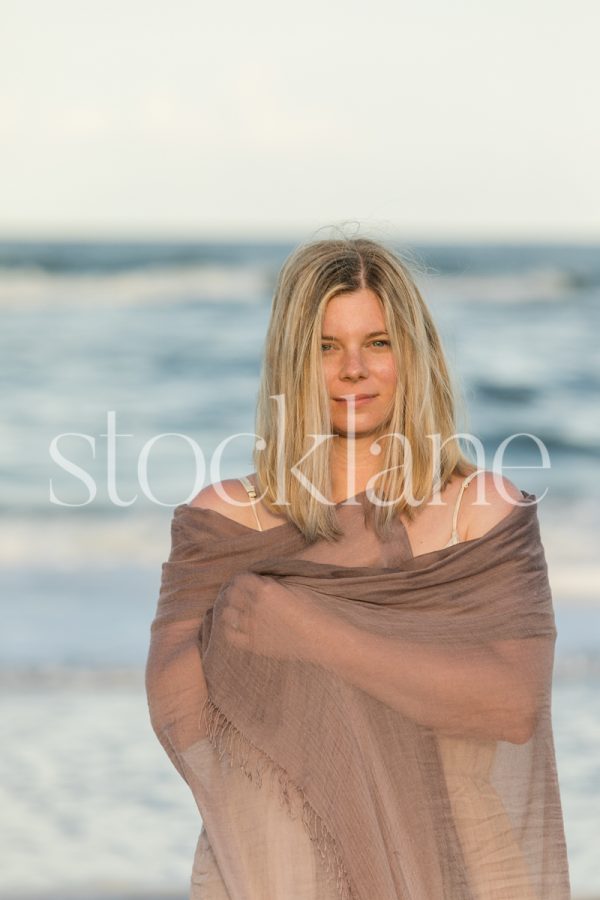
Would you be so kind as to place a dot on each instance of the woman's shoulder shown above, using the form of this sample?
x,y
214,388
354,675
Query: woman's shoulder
x,y
228,498
488,497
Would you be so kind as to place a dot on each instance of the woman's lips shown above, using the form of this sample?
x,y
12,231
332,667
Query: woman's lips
x,y
359,399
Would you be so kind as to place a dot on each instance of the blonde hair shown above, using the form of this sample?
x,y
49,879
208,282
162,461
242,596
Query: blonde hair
x,y
424,403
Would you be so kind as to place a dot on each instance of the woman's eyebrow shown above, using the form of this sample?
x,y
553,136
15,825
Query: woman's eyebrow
x,y
330,337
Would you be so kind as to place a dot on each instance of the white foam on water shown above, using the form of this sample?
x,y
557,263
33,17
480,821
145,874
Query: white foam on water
x,y
544,284
67,544
112,540
35,288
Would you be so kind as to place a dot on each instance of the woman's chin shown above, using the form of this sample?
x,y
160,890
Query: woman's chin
x,y
363,427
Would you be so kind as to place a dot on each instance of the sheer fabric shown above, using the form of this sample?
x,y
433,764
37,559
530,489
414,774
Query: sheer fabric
x,y
310,786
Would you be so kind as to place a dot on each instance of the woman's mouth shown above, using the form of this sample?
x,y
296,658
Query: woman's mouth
x,y
357,399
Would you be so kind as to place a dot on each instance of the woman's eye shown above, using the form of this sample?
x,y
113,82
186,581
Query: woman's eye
x,y
385,343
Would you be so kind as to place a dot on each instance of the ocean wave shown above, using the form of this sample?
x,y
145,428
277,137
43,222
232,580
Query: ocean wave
x,y
102,539
569,446
115,543
36,288
106,257
536,285
44,273
579,263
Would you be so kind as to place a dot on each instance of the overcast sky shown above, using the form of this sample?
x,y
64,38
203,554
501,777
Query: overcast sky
x,y
431,119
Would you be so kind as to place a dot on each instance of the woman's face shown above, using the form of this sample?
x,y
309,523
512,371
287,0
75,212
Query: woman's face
x,y
357,361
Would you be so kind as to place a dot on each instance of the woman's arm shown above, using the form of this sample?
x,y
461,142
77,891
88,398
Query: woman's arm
x,y
477,692
492,691
175,685
176,688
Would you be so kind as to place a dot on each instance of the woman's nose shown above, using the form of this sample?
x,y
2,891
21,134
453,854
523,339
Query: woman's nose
x,y
353,365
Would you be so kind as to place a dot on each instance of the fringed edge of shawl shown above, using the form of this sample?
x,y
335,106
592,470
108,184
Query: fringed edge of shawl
x,y
229,741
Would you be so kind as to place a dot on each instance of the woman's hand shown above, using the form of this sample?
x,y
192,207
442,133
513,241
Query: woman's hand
x,y
261,615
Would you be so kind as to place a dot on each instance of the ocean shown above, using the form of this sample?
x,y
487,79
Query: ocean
x,y
124,366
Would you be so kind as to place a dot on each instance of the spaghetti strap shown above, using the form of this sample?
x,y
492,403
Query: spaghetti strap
x,y
466,481
252,494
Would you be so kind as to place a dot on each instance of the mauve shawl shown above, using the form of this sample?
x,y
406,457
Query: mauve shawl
x,y
299,774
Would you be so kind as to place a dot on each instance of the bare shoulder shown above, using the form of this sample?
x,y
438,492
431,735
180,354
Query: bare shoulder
x,y
223,497
499,496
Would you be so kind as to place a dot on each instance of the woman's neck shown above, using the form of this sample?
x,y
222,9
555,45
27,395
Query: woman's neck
x,y
352,466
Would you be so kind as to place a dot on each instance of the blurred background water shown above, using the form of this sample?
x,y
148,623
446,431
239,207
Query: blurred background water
x,y
166,338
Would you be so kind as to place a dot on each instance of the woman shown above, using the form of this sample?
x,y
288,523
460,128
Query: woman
x,y
351,659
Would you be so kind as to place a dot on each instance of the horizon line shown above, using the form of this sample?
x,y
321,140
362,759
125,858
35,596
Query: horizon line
x,y
287,236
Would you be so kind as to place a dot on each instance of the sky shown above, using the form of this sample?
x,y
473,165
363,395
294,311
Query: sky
x,y
430,119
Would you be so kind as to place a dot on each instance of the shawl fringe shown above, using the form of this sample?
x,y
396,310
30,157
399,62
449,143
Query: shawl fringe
x,y
238,750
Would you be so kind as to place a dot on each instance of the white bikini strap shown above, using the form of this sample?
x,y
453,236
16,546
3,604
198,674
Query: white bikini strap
x,y
459,498
252,494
